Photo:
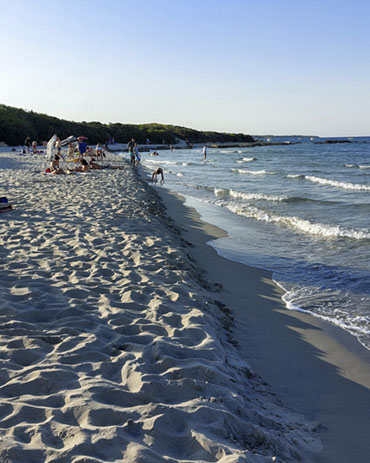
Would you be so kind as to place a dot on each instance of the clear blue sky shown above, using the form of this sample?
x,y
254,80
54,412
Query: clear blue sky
x,y
258,67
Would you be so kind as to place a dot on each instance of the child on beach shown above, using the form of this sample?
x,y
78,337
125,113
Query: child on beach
x,y
71,151
99,151
155,174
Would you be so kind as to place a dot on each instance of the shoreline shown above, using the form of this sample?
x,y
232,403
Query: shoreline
x,y
126,337
314,367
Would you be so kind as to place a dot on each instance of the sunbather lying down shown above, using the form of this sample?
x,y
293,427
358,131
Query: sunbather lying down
x,y
94,165
55,169
83,167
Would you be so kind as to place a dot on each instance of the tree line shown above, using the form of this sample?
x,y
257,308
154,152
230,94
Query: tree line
x,y
17,124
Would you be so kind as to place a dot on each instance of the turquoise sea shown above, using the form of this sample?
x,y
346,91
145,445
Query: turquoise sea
x,y
300,210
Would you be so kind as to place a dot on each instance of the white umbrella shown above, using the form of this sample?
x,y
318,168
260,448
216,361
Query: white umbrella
x,y
50,146
67,140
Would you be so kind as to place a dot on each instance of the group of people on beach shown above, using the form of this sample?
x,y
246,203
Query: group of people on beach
x,y
31,147
135,159
84,166
78,151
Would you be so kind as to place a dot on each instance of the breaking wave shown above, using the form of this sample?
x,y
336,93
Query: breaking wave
x,y
337,184
246,160
302,225
248,196
252,172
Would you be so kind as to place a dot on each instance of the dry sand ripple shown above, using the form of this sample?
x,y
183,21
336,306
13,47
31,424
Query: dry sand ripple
x,y
112,350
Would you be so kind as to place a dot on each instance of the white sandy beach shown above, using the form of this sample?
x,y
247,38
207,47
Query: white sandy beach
x,y
115,345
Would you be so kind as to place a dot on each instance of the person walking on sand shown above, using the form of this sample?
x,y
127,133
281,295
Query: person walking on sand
x,y
155,174
131,146
204,153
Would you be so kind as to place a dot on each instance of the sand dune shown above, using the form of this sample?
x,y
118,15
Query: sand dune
x,y
113,347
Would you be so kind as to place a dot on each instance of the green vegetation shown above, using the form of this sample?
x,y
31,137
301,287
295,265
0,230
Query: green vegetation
x,y
17,124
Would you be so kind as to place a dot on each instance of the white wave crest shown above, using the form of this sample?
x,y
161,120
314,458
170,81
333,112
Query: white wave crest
x,y
364,166
301,225
249,196
246,160
253,172
295,176
337,184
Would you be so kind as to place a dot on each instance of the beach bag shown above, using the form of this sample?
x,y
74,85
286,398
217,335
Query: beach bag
x,y
4,204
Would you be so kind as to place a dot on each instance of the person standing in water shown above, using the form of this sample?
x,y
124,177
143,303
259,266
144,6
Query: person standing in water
x,y
204,153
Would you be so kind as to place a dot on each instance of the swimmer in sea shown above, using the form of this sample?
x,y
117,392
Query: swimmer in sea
x,y
155,174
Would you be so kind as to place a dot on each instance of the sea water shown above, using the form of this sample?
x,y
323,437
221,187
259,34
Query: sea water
x,y
300,210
